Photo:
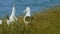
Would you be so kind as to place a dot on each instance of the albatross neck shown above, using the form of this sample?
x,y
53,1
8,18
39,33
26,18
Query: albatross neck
x,y
13,10
28,13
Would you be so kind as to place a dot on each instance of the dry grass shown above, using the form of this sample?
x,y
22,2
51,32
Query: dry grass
x,y
47,22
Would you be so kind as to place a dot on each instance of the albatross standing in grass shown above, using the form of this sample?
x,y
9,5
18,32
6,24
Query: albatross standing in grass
x,y
12,17
27,16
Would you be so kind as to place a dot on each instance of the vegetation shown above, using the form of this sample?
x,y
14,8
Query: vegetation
x,y
44,22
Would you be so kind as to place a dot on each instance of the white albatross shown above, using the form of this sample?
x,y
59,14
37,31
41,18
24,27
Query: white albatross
x,y
12,17
27,16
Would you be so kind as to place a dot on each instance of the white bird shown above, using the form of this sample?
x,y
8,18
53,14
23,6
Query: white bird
x,y
0,22
12,17
27,16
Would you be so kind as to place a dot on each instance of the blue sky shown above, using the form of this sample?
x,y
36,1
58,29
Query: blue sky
x,y
35,5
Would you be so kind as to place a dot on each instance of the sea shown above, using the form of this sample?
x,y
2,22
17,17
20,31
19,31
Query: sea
x,y
20,6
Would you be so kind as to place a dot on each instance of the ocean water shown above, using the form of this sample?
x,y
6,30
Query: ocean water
x,y
20,5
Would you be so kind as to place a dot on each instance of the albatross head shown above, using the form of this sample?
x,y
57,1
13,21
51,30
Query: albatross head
x,y
27,9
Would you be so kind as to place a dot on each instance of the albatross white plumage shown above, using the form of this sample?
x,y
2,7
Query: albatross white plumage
x,y
12,17
27,14
0,22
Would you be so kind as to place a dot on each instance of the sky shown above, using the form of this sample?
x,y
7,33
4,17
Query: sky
x,y
35,5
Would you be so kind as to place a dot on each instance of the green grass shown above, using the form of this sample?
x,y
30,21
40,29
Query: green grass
x,y
44,22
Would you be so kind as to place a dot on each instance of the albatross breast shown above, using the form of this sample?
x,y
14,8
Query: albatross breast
x,y
28,18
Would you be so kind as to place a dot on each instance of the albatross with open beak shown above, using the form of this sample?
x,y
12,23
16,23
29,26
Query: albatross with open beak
x,y
27,16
